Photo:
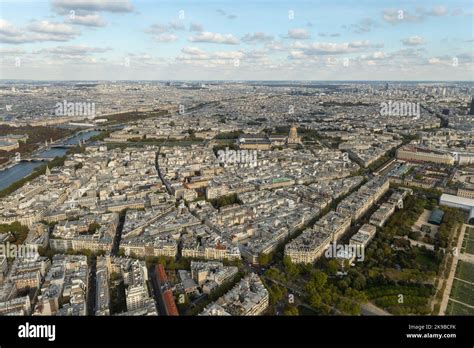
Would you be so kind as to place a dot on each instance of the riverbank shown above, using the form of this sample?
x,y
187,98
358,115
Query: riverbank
x,y
35,140
36,172
18,171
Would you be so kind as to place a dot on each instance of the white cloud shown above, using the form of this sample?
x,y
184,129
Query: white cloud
x,y
434,61
11,51
323,34
64,6
412,53
297,54
75,50
298,34
257,37
15,39
275,46
176,25
165,37
89,20
77,53
436,11
325,48
206,36
397,16
439,11
47,27
455,61
359,44
7,28
87,12
228,55
165,32
378,55
166,28
194,51
195,54
38,31
413,41
331,48
364,25
158,29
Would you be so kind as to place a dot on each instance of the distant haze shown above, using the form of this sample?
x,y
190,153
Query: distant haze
x,y
222,40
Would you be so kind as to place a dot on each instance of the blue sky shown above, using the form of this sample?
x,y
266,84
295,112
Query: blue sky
x,y
237,40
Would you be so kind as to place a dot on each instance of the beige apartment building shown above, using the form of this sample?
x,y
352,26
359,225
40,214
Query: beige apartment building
x,y
462,192
420,154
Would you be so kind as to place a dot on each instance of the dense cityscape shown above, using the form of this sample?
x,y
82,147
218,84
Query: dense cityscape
x,y
175,171
240,199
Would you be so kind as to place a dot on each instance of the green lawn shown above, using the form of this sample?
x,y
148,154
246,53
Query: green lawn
x,y
465,271
469,240
415,298
458,309
462,292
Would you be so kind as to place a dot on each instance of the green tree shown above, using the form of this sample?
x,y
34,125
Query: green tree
x,y
319,278
276,293
264,259
315,300
332,266
291,269
291,311
359,282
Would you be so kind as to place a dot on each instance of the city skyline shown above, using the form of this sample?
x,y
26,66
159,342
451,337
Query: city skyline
x,y
317,40
214,158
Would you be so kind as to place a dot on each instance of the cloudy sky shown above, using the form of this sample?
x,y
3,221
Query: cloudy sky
x,y
236,40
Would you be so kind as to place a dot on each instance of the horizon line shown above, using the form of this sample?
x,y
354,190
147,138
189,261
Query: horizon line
x,y
225,80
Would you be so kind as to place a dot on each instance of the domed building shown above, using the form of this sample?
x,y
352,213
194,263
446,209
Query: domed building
x,y
293,138
267,142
